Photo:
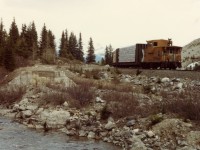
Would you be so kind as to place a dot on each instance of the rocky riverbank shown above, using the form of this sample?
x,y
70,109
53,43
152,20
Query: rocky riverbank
x,y
158,131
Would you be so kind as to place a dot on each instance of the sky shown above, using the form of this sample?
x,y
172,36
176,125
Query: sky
x,y
120,23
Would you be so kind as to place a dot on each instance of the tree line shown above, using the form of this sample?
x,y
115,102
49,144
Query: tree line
x,y
17,46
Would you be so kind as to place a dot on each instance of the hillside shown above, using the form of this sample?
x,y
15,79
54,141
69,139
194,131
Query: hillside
x,y
100,102
191,53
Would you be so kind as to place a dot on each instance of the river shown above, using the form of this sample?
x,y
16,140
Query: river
x,y
14,136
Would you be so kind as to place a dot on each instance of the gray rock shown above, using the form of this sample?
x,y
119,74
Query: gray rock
x,y
99,100
137,144
91,135
130,123
32,107
110,125
165,79
150,134
54,118
27,113
82,133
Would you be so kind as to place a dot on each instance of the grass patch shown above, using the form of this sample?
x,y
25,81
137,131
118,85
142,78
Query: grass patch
x,y
185,104
10,95
120,104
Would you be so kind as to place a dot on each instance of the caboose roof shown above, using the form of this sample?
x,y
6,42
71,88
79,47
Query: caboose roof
x,y
156,40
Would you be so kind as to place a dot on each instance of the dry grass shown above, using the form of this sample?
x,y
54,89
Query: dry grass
x,y
120,104
77,96
82,93
3,73
185,104
8,96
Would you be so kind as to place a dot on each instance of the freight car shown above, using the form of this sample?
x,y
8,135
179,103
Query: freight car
x,y
155,54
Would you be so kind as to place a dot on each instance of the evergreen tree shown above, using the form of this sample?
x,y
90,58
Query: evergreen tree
x,y
23,45
9,60
50,51
108,55
110,50
32,41
14,33
43,41
102,61
73,45
14,38
80,48
62,47
90,53
2,42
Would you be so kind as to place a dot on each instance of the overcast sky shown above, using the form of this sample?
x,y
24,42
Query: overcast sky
x,y
117,22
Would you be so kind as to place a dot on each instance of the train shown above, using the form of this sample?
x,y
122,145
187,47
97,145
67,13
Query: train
x,y
155,54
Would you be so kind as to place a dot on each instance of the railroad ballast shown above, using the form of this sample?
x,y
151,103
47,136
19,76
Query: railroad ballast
x,y
155,54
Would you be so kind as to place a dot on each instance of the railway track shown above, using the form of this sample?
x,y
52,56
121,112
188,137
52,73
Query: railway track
x,y
194,75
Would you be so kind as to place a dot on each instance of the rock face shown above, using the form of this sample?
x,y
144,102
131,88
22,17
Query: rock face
x,y
191,51
41,75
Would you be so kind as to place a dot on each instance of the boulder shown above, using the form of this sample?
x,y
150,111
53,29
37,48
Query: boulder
x,y
82,133
165,79
150,134
130,123
99,100
54,118
110,125
27,113
137,144
91,135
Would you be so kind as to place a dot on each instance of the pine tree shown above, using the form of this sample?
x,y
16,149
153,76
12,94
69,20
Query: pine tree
x,y
110,51
32,41
2,42
80,48
90,53
43,42
73,45
106,56
23,45
14,33
62,47
102,61
14,37
9,59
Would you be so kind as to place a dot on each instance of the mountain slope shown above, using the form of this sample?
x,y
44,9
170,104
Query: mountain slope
x,y
191,53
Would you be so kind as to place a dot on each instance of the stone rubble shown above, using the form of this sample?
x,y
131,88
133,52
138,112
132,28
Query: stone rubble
x,y
132,135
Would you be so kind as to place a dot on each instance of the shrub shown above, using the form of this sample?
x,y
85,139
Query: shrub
x,y
185,104
8,96
3,73
138,72
92,74
156,118
121,104
54,98
82,93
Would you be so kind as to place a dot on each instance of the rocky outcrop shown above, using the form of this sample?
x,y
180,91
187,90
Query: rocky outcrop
x,y
129,133
191,53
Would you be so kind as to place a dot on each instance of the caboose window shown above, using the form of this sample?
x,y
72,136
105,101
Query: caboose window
x,y
170,51
155,43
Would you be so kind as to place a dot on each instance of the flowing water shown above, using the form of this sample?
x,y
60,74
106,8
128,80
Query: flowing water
x,y
14,136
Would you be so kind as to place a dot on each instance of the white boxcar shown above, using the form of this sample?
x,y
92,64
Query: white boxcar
x,y
127,54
